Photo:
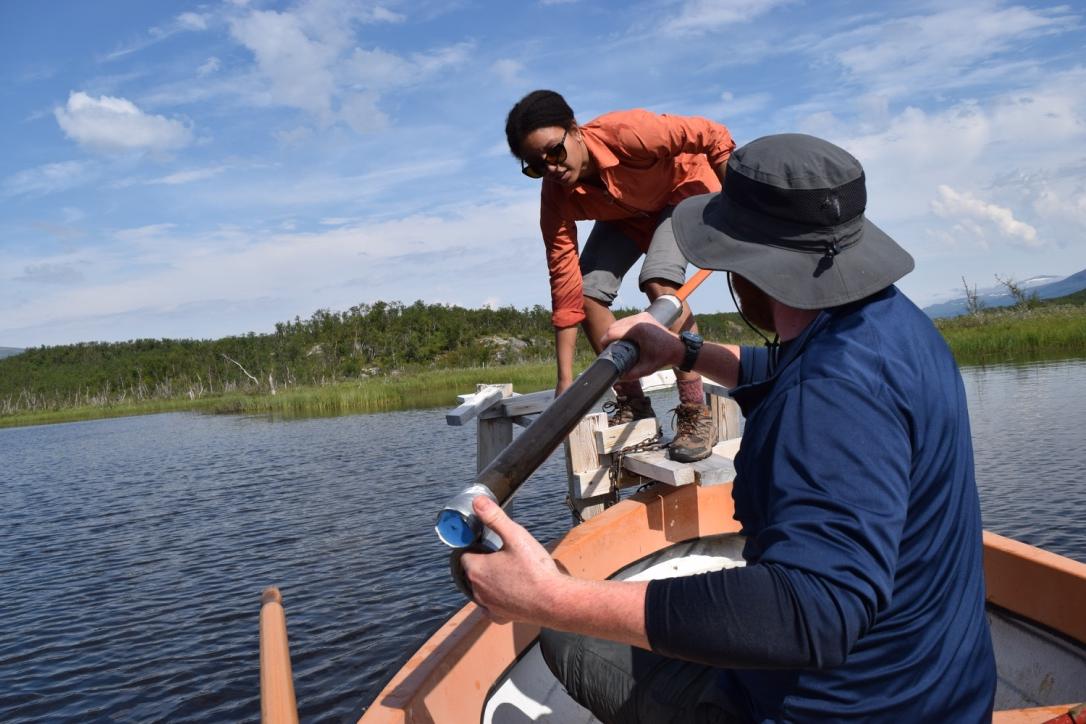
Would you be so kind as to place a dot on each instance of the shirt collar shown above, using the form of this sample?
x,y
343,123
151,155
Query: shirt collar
x,y
597,148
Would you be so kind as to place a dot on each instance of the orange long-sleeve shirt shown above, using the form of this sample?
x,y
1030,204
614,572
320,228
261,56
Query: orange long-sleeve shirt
x,y
647,162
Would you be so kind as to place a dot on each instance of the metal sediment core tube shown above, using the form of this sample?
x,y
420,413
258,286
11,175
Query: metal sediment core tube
x,y
457,525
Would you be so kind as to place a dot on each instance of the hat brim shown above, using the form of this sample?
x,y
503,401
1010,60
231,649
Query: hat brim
x,y
709,239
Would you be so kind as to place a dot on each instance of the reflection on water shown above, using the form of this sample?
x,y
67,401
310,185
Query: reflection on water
x,y
134,550
1029,429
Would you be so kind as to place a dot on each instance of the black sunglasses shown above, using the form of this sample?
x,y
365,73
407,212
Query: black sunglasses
x,y
553,156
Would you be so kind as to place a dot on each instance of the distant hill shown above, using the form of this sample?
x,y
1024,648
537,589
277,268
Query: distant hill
x,y
1078,298
1045,287
9,351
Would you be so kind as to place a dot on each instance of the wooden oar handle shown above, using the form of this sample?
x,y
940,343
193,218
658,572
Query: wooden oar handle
x,y
277,703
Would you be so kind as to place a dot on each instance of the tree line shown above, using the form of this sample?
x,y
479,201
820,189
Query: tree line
x,y
329,347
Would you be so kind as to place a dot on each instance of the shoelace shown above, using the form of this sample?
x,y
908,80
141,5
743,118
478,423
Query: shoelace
x,y
685,421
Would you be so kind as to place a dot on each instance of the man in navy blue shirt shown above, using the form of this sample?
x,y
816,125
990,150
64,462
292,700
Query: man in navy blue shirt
x,y
863,594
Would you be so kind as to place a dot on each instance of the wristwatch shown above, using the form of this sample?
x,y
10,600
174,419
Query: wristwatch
x,y
692,342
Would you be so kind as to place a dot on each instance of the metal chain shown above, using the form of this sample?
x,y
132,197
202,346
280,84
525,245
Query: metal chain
x,y
614,472
573,509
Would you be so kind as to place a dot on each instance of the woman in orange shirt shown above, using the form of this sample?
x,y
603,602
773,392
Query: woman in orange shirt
x,y
626,170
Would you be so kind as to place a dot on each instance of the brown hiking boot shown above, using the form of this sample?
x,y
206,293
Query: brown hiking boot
x,y
627,409
695,433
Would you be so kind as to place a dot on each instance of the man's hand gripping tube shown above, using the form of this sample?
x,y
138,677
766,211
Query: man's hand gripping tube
x,y
457,525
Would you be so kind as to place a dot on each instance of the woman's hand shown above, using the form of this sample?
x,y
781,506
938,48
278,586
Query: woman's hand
x,y
658,346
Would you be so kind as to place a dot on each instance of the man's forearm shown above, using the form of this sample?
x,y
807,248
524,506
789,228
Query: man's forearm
x,y
613,610
719,362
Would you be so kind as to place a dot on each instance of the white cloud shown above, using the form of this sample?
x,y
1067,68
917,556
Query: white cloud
x,y
58,274
297,66
951,204
116,124
1070,206
186,177
731,106
380,69
952,47
185,22
306,58
1013,139
46,179
209,66
143,233
508,70
703,16
293,136
382,14
360,112
192,21
155,269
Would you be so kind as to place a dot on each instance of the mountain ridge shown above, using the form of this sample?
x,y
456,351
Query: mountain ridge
x,y
998,296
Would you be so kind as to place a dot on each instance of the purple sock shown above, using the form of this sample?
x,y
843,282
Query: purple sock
x,y
691,392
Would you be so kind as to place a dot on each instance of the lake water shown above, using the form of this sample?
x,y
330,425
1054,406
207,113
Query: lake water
x,y
133,551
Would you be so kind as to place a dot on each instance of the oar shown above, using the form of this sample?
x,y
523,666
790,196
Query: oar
x,y
457,524
277,703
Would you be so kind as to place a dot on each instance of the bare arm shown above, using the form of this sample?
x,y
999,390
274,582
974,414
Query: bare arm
x,y
662,348
565,344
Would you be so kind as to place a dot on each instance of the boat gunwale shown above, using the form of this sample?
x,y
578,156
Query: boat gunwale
x,y
452,673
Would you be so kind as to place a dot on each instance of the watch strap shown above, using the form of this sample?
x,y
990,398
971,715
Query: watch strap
x,y
692,348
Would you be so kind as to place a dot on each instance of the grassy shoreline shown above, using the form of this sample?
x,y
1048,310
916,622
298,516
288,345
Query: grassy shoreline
x,y
404,391
997,336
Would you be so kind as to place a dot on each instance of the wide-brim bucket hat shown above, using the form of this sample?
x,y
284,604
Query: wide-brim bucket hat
x,y
790,219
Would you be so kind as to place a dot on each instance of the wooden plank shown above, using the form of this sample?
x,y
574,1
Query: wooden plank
x,y
598,482
473,405
713,470
619,436
659,380
727,415
493,437
581,452
664,379
517,405
591,483
656,465
583,459
712,387
727,449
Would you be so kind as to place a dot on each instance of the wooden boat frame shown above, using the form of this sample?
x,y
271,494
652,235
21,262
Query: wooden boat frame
x,y
451,676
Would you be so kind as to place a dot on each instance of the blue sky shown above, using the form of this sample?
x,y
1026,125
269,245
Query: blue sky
x,y
203,169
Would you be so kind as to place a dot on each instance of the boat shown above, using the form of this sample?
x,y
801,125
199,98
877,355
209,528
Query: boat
x,y
681,521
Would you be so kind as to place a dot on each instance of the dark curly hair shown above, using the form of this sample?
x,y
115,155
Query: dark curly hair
x,y
538,109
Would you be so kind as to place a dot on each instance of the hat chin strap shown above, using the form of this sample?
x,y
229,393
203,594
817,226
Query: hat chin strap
x,y
775,345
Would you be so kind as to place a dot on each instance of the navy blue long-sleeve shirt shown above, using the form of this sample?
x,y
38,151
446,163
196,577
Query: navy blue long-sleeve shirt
x,y
863,597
